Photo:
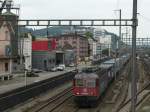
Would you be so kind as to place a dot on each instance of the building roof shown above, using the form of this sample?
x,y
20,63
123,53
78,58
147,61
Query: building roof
x,y
9,14
70,34
9,25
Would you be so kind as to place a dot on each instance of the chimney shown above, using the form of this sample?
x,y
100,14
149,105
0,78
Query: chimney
x,y
8,5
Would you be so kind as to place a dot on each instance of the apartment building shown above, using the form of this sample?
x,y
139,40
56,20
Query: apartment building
x,y
77,43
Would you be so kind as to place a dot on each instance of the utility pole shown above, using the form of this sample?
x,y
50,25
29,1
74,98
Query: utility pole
x,y
76,57
118,45
47,33
120,26
120,17
134,31
3,4
126,34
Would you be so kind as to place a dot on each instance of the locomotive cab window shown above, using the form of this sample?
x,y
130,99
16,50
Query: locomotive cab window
x,y
79,83
91,83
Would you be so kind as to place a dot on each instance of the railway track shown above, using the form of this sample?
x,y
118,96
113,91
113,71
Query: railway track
x,y
52,103
22,94
141,95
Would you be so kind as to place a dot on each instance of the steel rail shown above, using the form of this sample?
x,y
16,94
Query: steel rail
x,y
53,99
145,87
121,107
24,93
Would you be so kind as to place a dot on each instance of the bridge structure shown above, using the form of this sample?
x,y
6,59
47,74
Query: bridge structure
x,y
140,42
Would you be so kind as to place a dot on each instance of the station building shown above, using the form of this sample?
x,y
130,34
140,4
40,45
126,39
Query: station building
x,y
8,43
43,54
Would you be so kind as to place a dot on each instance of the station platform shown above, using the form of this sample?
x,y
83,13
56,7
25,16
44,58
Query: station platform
x,y
20,81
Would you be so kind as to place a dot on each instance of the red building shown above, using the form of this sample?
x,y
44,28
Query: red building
x,y
43,54
44,45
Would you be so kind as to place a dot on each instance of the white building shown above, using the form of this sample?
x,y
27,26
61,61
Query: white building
x,y
92,46
105,41
26,48
98,32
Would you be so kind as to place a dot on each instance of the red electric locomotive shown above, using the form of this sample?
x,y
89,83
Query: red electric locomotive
x,y
90,84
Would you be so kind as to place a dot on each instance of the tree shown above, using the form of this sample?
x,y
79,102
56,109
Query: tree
x,y
105,52
33,38
88,35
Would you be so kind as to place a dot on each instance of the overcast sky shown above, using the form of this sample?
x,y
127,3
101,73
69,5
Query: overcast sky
x,y
86,9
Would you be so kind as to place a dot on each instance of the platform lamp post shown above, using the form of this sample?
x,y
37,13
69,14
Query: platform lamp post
x,y
116,41
101,51
23,67
76,57
23,61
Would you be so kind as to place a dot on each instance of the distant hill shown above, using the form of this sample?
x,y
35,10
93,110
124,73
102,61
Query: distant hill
x,y
54,31
25,30
51,31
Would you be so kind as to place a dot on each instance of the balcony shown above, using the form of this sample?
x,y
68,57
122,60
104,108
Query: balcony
x,y
7,57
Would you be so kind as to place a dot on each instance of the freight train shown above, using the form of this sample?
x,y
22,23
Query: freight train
x,y
92,82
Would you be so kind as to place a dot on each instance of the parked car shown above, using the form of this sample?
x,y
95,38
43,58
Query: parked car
x,y
61,67
72,65
32,74
36,70
54,69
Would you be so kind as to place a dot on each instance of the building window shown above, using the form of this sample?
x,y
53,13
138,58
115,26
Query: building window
x,y
74,42
74,38
45,64
6,67
49,44
6,35
7,50
15,61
